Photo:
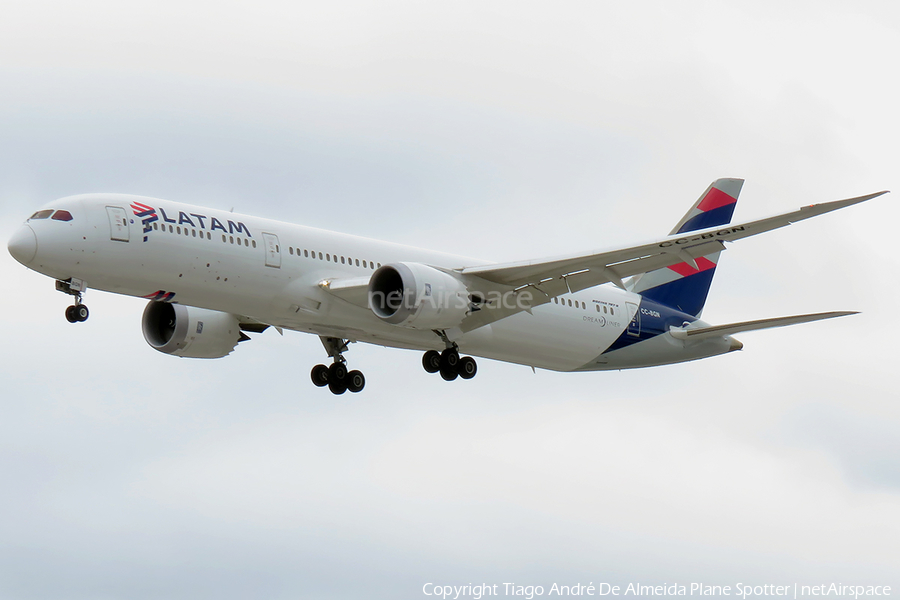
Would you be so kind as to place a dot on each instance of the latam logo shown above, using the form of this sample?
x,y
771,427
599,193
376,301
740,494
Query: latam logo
x,y
160,296
147,215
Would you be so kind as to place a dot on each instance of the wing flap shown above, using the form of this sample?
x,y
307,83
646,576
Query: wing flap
x,y
701,333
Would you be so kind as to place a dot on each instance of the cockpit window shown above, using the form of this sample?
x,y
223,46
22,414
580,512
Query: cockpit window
x,y
62,215
41,214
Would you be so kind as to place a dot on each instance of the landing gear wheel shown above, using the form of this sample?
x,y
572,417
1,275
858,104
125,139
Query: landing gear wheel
x,y
432,361
319,375
337,387
337,378
337,372
467,367
356,381
70,315
449,359
81,313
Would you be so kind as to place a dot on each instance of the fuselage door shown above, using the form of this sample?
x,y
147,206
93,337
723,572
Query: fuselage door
x,y
118,223
634,327
273,250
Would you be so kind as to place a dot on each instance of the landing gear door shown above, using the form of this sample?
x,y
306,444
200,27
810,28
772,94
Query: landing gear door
x,y
118,223
634,327
273,250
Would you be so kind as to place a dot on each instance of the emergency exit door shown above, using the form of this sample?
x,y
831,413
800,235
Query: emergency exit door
x,y
273,250
118,223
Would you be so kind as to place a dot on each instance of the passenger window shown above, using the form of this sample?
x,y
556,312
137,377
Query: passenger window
x,y
194,232
41,214
156,227
342,261
291,250
247,243
62,215
328,257
357,262
254,243
231,237
224,239
320,256
365,265
171,229
306,254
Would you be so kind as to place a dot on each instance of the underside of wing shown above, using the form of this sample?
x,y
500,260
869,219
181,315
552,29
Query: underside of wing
x,y
354,290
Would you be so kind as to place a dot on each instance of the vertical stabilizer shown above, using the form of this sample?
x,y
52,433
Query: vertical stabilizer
x,y
683,286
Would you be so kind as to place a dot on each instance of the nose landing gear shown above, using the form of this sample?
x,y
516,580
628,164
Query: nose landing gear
x,y
78,312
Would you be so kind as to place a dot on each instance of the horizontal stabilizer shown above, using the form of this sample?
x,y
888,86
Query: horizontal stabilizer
x,y
700,333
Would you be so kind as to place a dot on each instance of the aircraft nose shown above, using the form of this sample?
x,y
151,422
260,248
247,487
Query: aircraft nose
x,y
23,245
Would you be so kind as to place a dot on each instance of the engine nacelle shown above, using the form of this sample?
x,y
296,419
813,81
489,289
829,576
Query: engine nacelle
x,y
190,332
418,296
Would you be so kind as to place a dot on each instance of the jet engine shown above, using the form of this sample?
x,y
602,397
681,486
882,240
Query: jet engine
x,y
190,332
418,296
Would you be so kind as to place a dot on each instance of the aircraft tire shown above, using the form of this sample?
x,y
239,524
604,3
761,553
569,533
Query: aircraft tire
x,y
319,375
81,313
449,374
432,361
356,381
70,315
337,387
337,372
467,367
449,359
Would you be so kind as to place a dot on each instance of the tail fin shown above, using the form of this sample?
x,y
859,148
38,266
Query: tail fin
x,y
684,286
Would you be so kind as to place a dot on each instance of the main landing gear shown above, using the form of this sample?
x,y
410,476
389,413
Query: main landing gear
x,y
449,364
337,377
78,312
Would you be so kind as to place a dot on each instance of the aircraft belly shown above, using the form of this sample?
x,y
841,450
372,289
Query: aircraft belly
x,y
550,338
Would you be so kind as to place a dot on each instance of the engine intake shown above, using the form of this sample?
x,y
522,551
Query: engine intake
x,y
190,332
418,296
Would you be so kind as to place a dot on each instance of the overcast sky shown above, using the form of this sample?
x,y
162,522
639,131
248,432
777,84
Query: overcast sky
x,y
499,130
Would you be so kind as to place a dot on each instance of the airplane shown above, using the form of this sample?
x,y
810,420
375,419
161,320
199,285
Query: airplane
x,y
211,277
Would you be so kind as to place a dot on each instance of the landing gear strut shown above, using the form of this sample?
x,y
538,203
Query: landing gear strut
x,y
78,312
336,377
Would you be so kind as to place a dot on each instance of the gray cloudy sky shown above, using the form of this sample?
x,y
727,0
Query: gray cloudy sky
x,y
500,130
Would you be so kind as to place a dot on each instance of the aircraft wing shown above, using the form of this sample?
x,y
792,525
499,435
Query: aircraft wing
x,y
614,265
354,290
702,333
548,278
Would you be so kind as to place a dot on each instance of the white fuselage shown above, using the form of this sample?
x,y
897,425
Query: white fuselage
x,y
270,271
